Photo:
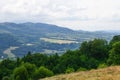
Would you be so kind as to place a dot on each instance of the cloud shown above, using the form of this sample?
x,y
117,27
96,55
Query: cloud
x,y
74,14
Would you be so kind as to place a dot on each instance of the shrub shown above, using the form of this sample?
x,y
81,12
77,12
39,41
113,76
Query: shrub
x,y
69,70
42,72
30,68
5,78
82,69
102,65
20,73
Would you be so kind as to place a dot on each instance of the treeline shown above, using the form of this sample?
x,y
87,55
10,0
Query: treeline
x,y
97,53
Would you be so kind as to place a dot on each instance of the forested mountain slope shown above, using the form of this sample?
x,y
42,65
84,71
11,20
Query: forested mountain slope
x,y
45,38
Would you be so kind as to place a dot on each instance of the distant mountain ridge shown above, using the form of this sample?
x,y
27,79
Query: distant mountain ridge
x,y
114,31
34,26
35,37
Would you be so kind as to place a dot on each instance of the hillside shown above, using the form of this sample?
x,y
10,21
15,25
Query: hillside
x,y
91,55
43,38
110,73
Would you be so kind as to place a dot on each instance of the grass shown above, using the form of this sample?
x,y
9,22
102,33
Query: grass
x,y
110,73
59,41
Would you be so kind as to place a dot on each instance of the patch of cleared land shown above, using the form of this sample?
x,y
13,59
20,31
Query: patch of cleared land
x,y
58,41
110,73
51,51
29,44
9,53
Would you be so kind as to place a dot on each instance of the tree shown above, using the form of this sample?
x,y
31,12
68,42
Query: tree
x,y
115,39
5,78
42,72
114,56
30,68
98,49
20,73
37,59
69,59
85,48
52,61
6,68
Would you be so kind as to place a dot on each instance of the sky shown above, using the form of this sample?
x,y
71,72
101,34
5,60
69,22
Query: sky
x,y
90,15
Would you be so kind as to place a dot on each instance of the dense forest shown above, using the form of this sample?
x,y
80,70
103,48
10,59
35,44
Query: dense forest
x,y
97,53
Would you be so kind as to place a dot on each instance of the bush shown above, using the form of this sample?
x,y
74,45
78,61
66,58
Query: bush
x,y
30,68
102,65
42,72
82,69
114,55
69,70
5,78
20,73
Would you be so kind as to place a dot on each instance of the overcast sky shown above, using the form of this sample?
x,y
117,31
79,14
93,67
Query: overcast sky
x,y
75,14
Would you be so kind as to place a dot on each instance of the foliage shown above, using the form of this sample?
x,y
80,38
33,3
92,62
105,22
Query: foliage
x,y
20,73
114,56
103,65
42,72
69,70
115,39
91,55
30,68
98,49
6,68
5,78
82,69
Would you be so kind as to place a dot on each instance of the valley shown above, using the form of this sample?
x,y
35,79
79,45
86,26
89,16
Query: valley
x,y
60,40
43,38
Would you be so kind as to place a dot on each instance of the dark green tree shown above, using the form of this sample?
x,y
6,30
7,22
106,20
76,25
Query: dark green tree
x,y
69,59
115,39
6,67
98,49
5,78
114,56
20,73
52,61
30,68
42,72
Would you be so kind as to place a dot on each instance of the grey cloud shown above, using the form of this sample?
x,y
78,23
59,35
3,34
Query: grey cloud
x,y
76,19
66,12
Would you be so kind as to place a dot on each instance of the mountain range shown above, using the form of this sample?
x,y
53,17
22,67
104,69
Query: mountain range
x,y
17,39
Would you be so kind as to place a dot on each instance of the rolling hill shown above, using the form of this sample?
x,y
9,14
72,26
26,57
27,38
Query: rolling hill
x,y
41,37
110,73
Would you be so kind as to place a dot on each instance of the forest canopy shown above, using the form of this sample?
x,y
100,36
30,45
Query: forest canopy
x,y
97,53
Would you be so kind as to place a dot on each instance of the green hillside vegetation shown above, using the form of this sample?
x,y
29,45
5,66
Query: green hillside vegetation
x,y
94,54
27,37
